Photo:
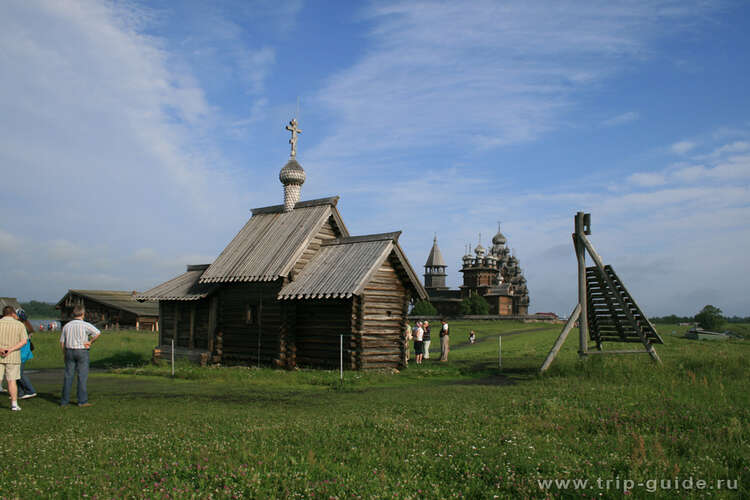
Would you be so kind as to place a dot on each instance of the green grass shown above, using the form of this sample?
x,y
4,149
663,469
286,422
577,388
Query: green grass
x,y
113,348
463,428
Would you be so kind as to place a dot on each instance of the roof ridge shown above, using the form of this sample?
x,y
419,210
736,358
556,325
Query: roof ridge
x,y
331,200
364,238
197,267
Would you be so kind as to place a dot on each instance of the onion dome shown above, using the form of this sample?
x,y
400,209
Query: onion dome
x,y
479,250
467,258
292,176
498,239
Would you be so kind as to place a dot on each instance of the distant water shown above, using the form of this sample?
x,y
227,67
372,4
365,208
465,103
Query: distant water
x,y
45,322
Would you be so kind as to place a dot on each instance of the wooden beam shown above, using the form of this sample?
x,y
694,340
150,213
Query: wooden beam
x,y
561,339
583,323
620,352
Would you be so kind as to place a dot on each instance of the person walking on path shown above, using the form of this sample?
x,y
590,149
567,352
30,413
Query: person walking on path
x,y
75,341
426,339
25,389
418,342
12,337
444,340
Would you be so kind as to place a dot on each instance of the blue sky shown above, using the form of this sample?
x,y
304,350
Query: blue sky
x,y
136,136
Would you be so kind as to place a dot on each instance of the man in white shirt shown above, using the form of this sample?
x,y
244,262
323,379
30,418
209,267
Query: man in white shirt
x,y
75,342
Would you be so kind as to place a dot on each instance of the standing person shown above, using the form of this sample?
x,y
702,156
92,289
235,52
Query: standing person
x,y
472,337
444,340
407,340
12,337
418,343
75,341
25,389
426,328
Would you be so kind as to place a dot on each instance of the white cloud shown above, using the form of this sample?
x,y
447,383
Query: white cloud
x,y
255,66
682,147
734,147
647,179
8,242
622,119
482,74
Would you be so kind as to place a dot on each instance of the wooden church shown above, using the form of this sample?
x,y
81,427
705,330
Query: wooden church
x,y
288,286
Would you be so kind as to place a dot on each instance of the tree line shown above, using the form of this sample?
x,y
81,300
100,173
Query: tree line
x,y
41,310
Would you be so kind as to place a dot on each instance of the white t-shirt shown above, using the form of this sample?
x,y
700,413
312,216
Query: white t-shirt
x,y
419,334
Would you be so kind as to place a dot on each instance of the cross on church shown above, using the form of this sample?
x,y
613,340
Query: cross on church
x,y
292,127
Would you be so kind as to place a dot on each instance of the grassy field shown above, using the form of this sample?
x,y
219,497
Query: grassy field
x,y
461,429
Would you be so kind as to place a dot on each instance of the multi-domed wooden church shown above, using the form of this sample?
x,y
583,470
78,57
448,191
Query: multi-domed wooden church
x,y
288,285
495,274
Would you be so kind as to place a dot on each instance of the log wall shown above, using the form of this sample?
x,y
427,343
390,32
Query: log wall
x,y
186,322
327,232
383,308
318,327
239,338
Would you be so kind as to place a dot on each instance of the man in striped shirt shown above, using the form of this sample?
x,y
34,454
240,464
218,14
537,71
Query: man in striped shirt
x,y
13,336
75,341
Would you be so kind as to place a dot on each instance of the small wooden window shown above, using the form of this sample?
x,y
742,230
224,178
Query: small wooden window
x,y
388,313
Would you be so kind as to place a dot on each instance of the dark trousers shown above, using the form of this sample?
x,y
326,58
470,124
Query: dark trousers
x,y
76,360
24,384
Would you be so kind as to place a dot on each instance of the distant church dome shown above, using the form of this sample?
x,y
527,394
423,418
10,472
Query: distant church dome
x,y
498,239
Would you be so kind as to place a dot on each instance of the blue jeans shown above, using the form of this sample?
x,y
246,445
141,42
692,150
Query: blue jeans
x,y
75,360
24,384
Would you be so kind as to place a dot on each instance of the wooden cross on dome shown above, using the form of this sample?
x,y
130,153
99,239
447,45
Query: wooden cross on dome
x,y
292,127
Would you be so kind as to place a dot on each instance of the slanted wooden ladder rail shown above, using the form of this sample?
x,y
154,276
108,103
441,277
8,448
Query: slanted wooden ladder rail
x,y
605,310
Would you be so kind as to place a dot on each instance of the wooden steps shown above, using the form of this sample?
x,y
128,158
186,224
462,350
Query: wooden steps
x,y
607,319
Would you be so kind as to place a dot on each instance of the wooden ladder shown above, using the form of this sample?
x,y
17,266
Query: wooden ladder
x,y
607,318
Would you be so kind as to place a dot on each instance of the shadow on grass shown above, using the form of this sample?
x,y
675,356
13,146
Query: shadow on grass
x,y
121,359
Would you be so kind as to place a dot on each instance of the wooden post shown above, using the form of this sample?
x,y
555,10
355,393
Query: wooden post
x,y
583,324
561,339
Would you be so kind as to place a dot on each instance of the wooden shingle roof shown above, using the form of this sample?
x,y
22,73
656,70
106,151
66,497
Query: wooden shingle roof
x,y
343,267
435,259
117,299
268,246
9,301
183,287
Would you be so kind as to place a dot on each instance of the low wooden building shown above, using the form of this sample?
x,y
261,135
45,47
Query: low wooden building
x,y
110,309
284,291
9,301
